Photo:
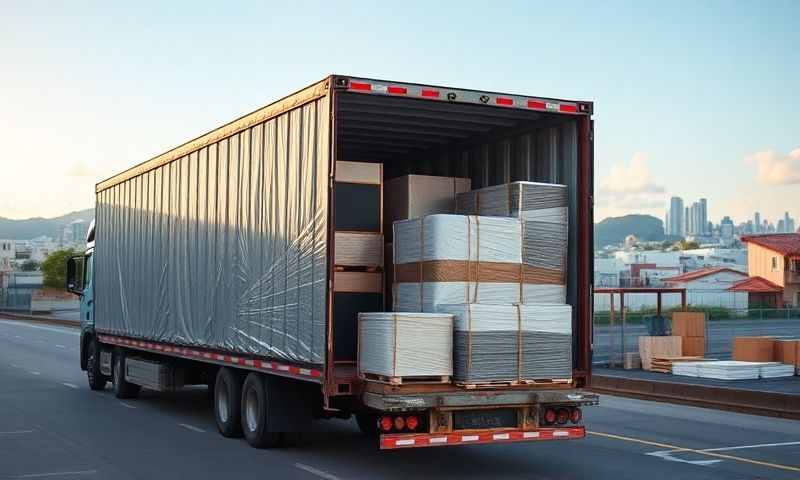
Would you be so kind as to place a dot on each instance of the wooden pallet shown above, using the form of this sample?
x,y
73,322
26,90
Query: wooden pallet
x,y
415,380
664,364
515,383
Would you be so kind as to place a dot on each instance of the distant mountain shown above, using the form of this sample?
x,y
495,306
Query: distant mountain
x,y
35,227
614,229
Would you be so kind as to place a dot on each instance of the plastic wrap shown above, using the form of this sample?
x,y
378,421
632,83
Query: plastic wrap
x,y
511,343
405,344
224,247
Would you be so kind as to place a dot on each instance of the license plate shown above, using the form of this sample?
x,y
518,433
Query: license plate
x,y
480,419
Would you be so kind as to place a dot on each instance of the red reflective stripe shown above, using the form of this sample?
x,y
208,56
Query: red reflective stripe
x,y
397,90
492,436
360,86
429,93
568,108
504,101
536,104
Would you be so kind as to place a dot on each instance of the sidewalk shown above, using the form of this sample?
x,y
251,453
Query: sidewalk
x,y
777,397
40,318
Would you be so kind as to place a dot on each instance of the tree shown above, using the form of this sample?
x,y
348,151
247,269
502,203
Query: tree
x,y
54,268
29,265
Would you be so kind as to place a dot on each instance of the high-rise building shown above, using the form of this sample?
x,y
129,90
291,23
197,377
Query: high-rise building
x,y
781,226
686,221
703,220
757,222
675,217
788,223
726,230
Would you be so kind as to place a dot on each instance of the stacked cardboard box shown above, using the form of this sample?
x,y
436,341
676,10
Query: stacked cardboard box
x,y
403,347
358,251
543,209
414,196
754,349
691,327
650,347
788,352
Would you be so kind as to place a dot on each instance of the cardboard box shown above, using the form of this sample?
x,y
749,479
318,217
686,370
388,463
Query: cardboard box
x,y
632,361
693,346
754,349
414,196
689,324
649,347
788,351
358,197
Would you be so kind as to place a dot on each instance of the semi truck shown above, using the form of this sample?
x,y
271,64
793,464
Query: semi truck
x,y
213,263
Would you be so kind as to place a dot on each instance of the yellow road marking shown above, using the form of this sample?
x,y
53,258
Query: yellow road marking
x,y
699,452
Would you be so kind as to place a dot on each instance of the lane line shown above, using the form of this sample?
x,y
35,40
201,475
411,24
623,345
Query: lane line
x,y
60,346
192,428
743,447
316,471
127,405
70,385
34,372
17,432
674,448
39,327
56,474
14,365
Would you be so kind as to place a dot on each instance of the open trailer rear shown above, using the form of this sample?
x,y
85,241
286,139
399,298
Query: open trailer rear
x,y
214,263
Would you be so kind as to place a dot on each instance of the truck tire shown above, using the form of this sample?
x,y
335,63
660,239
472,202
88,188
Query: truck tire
x,y
255,413
122,388
97,381
367,423
228,402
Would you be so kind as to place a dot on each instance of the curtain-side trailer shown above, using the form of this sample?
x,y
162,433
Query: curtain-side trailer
x,y
213,263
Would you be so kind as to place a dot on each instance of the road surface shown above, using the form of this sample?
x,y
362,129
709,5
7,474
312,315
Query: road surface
x,y
53,427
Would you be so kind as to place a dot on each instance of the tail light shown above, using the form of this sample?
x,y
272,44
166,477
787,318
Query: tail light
x,y
550,416
412,422
399,423
386,423
575,415
563,416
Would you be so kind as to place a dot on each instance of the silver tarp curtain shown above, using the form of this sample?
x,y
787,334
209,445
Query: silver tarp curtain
x,y
224,247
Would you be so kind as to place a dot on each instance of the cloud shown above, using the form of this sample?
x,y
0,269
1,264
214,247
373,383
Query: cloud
x,y
630,188
773,168
80,169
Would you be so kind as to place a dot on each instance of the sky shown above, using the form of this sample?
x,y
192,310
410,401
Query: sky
x,y
694,99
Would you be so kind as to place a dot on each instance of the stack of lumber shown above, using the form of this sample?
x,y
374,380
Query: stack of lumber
x,y
649,347
405,347
691,327
631,361
665,364
543,209
511,343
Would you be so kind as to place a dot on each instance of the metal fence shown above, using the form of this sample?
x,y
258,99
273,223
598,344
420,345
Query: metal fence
x,y
612,339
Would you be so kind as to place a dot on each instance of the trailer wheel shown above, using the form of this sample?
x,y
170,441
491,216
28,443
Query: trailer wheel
x,y
97,381
122,388
227,391
255,413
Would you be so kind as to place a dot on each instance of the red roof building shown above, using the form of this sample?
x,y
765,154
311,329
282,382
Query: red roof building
x,y
698,274
761,292
776,258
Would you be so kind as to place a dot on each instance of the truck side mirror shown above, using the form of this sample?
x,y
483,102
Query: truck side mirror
x,y
75,274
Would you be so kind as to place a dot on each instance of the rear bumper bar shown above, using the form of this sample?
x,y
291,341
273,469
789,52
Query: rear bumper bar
x,y
395,441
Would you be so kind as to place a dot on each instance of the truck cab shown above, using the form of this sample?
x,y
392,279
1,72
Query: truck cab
x,y
80,281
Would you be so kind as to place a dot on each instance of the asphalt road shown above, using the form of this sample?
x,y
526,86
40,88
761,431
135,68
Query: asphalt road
x,y
53,427
719,336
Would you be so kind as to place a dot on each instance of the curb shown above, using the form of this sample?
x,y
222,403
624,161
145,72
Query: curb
x,y
770,404
40,319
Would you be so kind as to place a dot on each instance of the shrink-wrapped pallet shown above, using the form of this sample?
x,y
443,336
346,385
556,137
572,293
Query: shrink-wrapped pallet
x,y
456,259
405,345
511,343
543,209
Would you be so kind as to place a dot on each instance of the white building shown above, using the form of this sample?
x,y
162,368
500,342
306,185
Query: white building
x,y
709,287
6,255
